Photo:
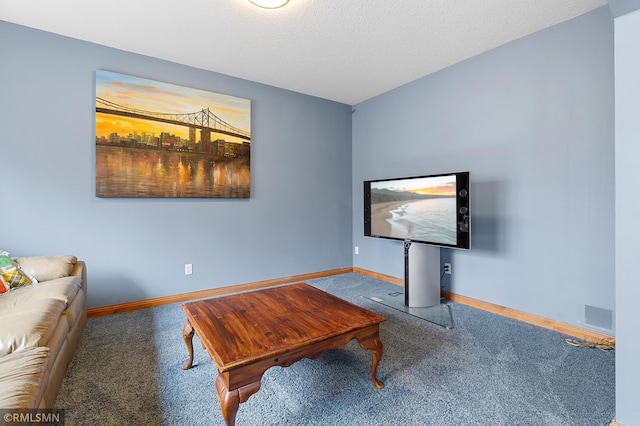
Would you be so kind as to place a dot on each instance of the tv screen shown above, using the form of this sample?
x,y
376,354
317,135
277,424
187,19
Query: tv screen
x,y
431,209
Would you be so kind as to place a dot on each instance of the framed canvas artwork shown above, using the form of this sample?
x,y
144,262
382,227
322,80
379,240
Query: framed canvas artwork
x,y
159,140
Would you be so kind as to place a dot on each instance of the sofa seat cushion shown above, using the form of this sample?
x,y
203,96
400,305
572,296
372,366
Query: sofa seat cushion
x,y
21,377
63,289
33,312
29,324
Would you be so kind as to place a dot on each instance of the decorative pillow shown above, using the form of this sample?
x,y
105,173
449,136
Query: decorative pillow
x,y
11,275
45,268
4,264
5,260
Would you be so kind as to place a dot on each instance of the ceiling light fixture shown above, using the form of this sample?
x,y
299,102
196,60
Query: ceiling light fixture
x,y
269,4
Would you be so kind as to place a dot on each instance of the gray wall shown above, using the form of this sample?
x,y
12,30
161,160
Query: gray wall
x,y
533,122
627,107
297,221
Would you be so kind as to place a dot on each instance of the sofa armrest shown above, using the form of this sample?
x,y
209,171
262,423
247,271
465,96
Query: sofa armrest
x,y
80,270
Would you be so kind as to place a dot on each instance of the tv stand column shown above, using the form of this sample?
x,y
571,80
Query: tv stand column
x,y
421,275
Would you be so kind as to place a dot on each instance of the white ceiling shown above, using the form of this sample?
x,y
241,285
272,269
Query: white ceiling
x,y
342,50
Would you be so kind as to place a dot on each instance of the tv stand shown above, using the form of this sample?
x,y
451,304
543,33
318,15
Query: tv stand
x,y
422,276
421,286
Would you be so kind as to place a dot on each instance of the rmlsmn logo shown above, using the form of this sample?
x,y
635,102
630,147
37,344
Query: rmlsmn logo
x,y
32,417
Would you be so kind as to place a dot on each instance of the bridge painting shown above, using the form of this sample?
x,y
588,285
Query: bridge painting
x,y
156,139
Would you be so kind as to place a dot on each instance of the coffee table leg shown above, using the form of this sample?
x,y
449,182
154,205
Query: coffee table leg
x,y
375,345
229,402
377,355
187,335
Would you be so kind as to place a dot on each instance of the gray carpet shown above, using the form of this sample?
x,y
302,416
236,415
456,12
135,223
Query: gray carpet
x,y
487,370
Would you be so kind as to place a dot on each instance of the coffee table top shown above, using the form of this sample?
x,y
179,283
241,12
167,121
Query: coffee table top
x,y
243,328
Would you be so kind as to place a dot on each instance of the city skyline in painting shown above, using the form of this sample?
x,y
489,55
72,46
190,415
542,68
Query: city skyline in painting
x,y
156,139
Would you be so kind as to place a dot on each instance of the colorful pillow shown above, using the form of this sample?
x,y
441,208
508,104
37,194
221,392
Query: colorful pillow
x,y
11,276
5,260
16,278
3,264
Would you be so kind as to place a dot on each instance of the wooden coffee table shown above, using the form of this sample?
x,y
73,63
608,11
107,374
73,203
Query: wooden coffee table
x,y
247,333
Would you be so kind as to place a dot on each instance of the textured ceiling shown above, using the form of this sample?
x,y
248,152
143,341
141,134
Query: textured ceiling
x,y
343,50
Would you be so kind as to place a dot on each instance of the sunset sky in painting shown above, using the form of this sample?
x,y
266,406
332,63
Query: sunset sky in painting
x,y
438,185
155,96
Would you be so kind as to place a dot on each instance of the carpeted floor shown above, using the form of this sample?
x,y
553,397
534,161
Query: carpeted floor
x,y
487,370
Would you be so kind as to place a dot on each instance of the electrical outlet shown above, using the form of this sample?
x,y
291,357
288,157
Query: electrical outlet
x,y
447,268
188,269
356,250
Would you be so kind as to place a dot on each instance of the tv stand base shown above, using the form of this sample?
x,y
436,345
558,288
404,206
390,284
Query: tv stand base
x,y
440,314
421,286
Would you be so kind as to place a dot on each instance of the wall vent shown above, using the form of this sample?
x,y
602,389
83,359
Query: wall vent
x,y
599,317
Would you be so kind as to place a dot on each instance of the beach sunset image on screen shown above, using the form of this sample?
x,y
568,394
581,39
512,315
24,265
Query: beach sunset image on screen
x,y
420,209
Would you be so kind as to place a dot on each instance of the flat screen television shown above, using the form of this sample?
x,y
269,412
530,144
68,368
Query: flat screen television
x,y
431,209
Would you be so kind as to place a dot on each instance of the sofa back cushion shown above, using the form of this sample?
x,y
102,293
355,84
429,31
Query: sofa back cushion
x,y
45,268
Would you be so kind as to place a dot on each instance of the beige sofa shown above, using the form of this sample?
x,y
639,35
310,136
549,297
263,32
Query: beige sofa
x,y
40,327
